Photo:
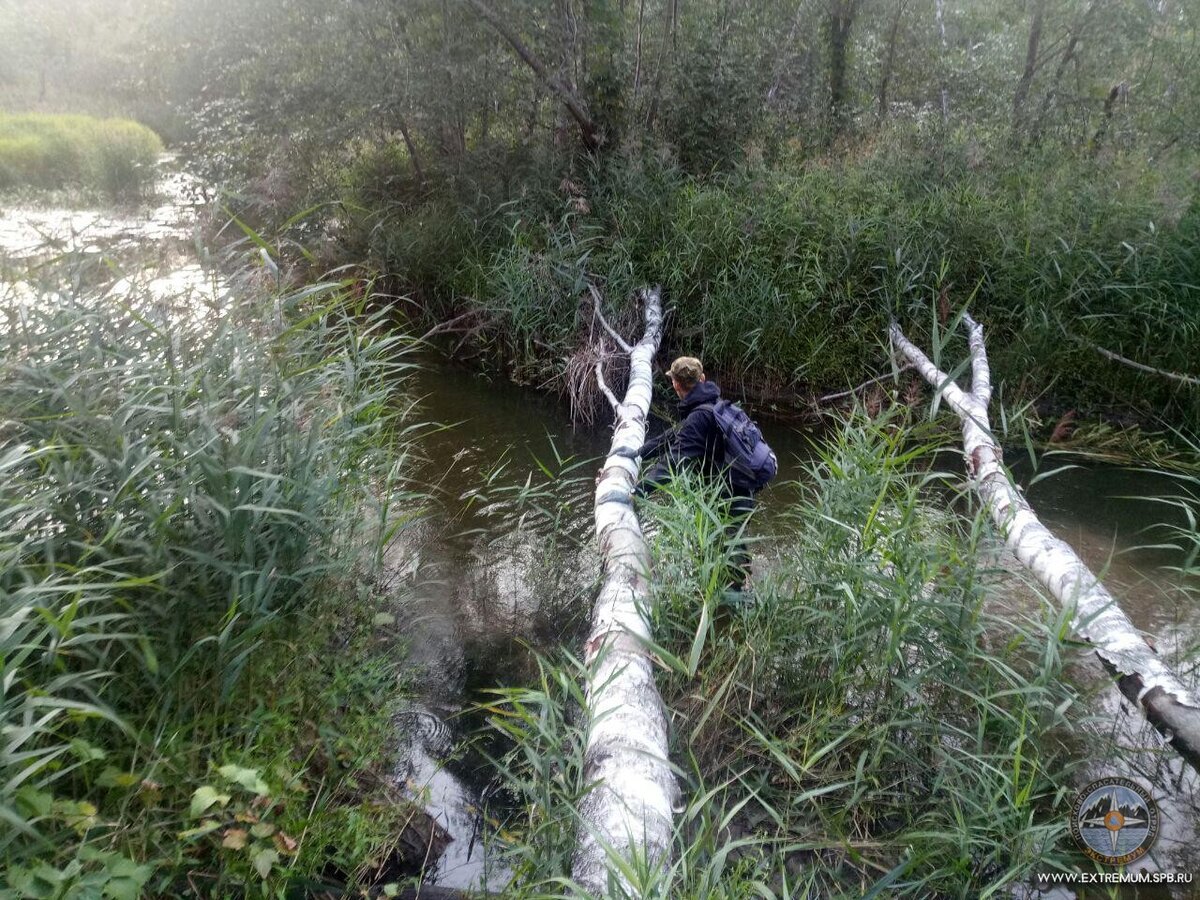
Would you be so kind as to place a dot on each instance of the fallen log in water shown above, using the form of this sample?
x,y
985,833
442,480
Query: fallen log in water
x,y
1141,674
628,814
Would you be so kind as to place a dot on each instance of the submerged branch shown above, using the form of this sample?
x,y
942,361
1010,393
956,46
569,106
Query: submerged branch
x,y
1141,674
829,398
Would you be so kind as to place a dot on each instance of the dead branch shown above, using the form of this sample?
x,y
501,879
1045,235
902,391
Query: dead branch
x,y
612,332
829,398
1191,380
587,128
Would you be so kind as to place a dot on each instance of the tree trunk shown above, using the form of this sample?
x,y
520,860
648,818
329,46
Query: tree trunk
x,y
784,54
940,7
587,130
1141,674
841,20
889,61
1106,118
1031,56
637,55
664,57
1068,57
411,147
629,811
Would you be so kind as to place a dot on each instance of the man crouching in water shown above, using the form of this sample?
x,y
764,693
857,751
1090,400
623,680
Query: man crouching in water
x,y
697,443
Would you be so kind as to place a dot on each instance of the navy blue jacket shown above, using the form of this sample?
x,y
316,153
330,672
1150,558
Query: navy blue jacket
x,y
696,441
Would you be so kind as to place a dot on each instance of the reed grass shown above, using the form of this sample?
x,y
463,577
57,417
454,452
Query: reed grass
x,y
870,726
114,158
189,510
783,278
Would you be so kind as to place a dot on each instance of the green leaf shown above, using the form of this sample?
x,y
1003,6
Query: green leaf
x,y
206,827
248,779
115,778
86,751
263,861
34,803
123,889
204,798
383,619
262,830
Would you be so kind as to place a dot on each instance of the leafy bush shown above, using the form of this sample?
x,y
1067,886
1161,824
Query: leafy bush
x,y
115,157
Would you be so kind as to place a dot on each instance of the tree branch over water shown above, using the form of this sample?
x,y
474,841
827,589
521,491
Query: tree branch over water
x,y
1141,674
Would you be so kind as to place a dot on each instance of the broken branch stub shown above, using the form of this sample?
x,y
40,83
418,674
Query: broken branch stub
x,y
1141,674
628,814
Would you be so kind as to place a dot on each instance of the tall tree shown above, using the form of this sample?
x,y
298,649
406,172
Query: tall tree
x,y
1033,43
840,23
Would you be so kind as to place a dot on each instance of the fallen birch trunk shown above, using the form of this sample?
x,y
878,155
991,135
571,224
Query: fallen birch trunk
x,y
628,814
1141,674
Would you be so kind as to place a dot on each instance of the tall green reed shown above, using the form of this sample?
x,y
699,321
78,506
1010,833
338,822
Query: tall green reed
x,y
182,477
872,725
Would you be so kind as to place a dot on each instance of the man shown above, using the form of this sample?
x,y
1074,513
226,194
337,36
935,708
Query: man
x,y
698,443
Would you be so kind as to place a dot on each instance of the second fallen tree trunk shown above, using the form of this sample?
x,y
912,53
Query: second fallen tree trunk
x,y
627,816
1141,674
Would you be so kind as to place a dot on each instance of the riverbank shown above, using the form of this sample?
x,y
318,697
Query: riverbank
x,y
202,663
784,277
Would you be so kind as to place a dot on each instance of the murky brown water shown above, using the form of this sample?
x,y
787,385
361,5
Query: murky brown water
x,y
503,565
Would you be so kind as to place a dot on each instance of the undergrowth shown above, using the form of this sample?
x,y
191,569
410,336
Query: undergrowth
x,y
196,678
869,726
784,277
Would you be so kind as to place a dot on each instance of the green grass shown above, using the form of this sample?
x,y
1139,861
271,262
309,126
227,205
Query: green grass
x,y
871,727
197,683
114,158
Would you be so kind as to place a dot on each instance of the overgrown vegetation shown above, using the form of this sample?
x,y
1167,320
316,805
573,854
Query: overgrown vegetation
x,y
197,678
112,158
793,174
868,727
785,279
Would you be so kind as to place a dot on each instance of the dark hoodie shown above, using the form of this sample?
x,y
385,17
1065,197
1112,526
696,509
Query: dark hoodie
x,y
696,441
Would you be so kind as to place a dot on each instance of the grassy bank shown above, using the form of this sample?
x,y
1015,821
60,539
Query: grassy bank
x,y
783,277
869,728
111,158
198,675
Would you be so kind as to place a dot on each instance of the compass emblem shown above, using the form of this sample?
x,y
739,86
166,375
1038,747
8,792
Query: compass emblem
x,y
1114,821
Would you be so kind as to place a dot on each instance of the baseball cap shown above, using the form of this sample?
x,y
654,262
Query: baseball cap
x,y
686,369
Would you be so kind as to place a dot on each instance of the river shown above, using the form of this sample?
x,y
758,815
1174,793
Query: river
x,y
502,566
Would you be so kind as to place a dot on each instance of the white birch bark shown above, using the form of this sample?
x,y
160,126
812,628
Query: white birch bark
x,y
628,814
1141,674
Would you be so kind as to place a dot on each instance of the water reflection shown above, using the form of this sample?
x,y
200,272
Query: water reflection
x,y
28,232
